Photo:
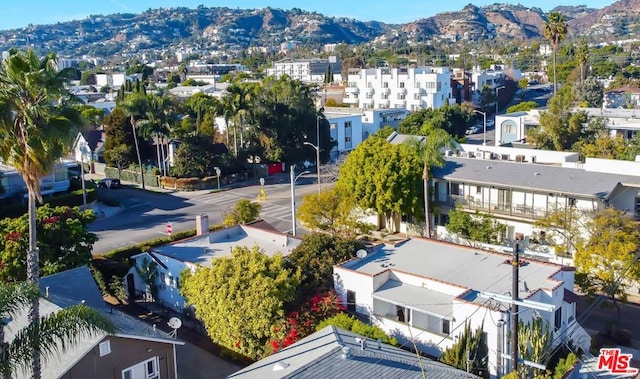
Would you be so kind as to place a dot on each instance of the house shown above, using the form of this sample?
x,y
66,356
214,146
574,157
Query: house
x,y
135,350
345,129
426,291
518,192
13,186
189,254
333,352
89,146
623,97
371,120
411,88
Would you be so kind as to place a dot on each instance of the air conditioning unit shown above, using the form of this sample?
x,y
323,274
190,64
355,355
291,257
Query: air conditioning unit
x,y
504,157
519,158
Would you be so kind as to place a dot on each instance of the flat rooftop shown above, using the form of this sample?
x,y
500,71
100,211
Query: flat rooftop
x,y
203,249
457,265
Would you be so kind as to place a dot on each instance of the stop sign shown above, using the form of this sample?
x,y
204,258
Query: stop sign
x,y
169,229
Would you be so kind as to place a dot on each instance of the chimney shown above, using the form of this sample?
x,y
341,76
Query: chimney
x,y
202,224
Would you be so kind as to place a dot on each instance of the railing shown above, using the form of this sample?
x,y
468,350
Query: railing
x,y
506,208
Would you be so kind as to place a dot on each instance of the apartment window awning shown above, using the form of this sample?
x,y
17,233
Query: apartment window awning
x,y
569,297
418,298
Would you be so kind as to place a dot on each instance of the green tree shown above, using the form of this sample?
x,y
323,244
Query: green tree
x,y
522,107
240,297
348,322
384,177
555,31
479,227
605,147
36,124
315,257
582,56
589,93
472,347
52,334
136,106
560,128
63,240
332,211
244,211
563,227
119,137
607,263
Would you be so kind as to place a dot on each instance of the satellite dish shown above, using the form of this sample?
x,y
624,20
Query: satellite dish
x,y
174,323
361,253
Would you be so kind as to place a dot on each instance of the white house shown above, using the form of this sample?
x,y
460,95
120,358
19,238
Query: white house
x,y
425,291
57,181
189,254
370,120
410,88
346,130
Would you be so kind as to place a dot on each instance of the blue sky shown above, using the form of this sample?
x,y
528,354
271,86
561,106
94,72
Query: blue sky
x,y
19,13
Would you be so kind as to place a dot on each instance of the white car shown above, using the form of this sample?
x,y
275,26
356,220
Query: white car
x,y
473,130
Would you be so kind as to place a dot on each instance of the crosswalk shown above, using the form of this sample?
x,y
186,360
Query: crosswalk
x,y
268,210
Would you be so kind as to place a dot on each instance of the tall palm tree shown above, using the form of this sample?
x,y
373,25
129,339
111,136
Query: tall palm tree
x,y
136,105
555,30
431,152
52,334
36,124
582,55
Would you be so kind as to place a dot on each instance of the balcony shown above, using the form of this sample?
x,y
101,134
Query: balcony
x,y
369,91
402,91
350,100
385,91
351,90
504,208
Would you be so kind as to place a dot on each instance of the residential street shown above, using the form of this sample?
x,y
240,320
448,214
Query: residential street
x,y
144,214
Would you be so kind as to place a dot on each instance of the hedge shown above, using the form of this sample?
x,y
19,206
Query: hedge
x,y
127,252
150,179
70,199
208,182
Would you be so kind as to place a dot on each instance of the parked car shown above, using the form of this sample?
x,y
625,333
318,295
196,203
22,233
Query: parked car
x,y
490,123
109,183
473,130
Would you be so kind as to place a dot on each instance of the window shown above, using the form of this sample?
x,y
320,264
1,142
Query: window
x,y
401,96
148,369
401,84
403,314
385,85
446,327
351,301
105,348
478,190
557,319
572,201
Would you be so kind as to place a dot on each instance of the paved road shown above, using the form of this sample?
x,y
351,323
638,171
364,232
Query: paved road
x,y
146,214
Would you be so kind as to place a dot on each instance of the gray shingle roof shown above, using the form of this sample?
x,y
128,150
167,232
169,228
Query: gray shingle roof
x,y
320,355
72,287
543,178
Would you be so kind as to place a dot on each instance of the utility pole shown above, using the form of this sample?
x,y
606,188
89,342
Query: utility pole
x,y
515,263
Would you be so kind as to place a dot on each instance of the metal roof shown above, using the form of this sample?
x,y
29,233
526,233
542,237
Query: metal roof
x,y
320,355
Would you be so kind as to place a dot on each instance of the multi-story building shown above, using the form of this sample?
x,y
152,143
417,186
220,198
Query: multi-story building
x,y
307,70
410,88
425,292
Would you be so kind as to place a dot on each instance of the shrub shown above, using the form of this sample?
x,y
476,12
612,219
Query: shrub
x,y
351,323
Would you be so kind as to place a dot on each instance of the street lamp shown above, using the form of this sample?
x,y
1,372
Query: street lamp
x,y
497,97
484,133
293,196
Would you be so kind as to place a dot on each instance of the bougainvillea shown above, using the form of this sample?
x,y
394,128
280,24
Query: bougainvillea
x,y
302,322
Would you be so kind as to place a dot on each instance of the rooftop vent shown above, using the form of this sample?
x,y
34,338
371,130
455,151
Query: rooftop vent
x,y
346,352
280,366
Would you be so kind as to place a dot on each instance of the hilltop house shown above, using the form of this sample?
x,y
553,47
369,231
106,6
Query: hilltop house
x,y
336,353
135,350
189,254
424,291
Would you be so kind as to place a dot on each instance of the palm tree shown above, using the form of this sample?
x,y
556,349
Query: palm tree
x,y
582,55
52,334
430,151
555,30
36,124
136,105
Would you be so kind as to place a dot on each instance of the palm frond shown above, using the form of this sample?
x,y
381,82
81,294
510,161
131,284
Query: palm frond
x,y
54,334
15,296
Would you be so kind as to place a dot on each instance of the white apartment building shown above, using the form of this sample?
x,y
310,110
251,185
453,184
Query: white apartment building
x,y
410,88
426,291
307,70
346,130
369,120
